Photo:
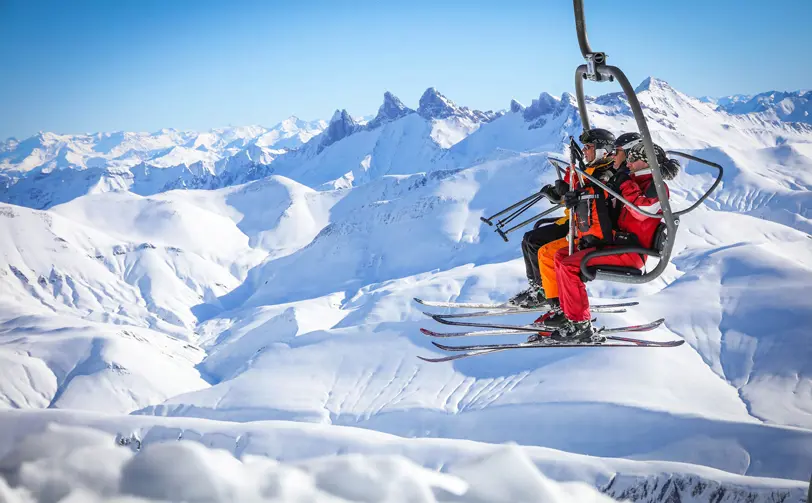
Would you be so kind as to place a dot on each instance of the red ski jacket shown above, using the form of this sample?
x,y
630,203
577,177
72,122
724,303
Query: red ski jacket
x,y
640,191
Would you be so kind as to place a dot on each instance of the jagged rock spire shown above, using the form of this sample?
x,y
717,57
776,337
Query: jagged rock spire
x,y
434,105
341,125
391,109
546,104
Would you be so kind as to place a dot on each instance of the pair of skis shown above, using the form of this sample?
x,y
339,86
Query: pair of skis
x,y
538,327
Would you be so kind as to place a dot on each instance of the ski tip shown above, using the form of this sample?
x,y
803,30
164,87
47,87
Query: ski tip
x,y
419,301
440,359
446,348
430,360
428,332
430,315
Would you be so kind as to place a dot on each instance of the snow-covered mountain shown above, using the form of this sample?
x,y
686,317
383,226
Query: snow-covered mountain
x,y
49,169
280,289
793,106
725,101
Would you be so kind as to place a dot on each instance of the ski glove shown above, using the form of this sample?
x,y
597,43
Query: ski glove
x,y
618,180
561,188
550,193
554,192
571,199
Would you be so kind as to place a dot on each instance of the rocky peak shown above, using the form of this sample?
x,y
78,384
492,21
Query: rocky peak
x,y
434,105
341,125
391,109
545,105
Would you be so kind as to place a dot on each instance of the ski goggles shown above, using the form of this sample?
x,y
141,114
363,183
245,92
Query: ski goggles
x,y
626,147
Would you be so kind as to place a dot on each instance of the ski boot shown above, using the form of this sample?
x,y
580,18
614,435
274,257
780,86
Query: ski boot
x,y
554,318
571,332
530,298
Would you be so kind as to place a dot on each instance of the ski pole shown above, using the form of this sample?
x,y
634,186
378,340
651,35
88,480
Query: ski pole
x,y
512,216
523,201
571,232
529,220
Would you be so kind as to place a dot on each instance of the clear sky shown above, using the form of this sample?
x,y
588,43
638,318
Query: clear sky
x,y
141,65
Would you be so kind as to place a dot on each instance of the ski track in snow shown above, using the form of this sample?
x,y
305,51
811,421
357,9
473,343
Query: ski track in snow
x,y
286,296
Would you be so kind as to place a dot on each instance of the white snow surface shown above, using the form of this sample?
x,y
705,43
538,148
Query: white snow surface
x,y
233,308
208,461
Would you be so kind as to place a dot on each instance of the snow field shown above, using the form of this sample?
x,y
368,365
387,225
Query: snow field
x,y
204,314
277,461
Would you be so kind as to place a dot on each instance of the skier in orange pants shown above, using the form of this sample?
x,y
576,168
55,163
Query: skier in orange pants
x,y
598,148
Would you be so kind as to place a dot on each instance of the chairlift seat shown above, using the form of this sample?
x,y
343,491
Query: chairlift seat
x,y
658,244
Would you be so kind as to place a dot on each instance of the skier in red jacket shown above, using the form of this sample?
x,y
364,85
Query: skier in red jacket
x,y
633,228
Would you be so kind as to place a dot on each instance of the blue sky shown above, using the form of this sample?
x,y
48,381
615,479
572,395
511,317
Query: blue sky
x,y
88,66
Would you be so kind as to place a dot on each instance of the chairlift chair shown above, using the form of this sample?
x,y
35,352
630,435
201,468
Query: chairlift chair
x,y
595,69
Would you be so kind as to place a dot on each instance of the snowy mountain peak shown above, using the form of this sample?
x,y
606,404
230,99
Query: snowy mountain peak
x,y
433,105
654,84
292,123
516,107
391,109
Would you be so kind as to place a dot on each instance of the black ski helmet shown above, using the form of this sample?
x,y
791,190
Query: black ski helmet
x,y
601,138
628,140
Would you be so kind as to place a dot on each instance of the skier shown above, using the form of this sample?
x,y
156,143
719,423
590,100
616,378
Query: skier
x,y
632,229
598,145
531,242
623,143
592,219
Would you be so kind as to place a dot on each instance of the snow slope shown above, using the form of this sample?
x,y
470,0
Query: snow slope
x,y
330,463
289,297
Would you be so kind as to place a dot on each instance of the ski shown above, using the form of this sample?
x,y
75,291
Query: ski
x,y
542,329
465,305
633,343
458,356
472,333
502,306
601,331
523,328
607,309
638,343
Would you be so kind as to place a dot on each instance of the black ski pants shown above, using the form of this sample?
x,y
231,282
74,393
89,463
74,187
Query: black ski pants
x,y
535,239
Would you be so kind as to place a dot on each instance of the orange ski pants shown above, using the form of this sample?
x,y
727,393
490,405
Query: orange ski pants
x,y
547,266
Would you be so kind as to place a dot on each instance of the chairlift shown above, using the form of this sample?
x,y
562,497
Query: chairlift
x,y
595,69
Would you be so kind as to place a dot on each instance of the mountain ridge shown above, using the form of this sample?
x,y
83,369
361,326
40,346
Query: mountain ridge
x,y
171,159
